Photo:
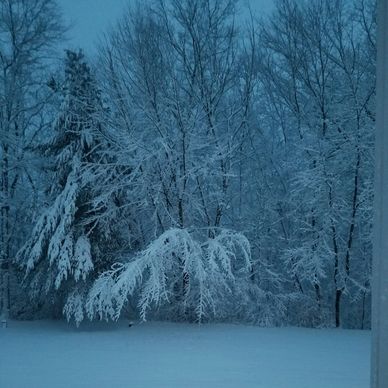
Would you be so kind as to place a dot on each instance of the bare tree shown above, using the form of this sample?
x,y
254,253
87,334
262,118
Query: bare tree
x,y
317,77
28,31
180,78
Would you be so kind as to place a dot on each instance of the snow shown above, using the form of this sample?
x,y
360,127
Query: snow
x,y
44,354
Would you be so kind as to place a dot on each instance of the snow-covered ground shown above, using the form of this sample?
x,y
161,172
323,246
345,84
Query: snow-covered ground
x,y
165,355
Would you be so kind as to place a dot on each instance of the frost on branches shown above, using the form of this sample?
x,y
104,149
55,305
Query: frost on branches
x,y
175,269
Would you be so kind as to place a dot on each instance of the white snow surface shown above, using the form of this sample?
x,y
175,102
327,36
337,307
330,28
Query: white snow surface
x,y
45,354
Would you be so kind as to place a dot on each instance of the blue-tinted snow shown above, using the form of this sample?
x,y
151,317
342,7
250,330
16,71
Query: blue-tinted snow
x,y
164,355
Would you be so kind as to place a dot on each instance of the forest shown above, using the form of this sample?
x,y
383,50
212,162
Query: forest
x,y
208,164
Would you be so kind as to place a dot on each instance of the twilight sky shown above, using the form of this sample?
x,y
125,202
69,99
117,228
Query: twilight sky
x,y
92,17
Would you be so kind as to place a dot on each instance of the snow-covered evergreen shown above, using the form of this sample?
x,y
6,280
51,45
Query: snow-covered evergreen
x,y
66,242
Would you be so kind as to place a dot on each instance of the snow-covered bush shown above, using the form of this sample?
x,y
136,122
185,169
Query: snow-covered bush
x,y
197,276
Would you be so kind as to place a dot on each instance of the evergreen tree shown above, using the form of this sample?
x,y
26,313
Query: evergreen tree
x,y
67,243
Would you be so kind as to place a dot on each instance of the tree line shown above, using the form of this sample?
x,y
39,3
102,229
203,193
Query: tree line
x,y
208,164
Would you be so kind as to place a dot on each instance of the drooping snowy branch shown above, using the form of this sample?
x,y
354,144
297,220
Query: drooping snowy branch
x,y
204,273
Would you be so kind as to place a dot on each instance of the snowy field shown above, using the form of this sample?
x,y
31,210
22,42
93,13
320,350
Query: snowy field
x,y
165,355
